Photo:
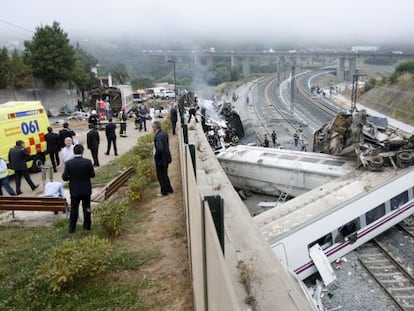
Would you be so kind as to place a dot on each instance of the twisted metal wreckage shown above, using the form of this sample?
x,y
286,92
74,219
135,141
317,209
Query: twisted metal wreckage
x,y
375,143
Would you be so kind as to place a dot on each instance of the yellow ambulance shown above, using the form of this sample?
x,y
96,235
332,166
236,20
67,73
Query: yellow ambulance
x,y
27,121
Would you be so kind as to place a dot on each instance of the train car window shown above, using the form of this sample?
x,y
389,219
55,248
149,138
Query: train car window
x,y
399,200
375,214
324,242
348,229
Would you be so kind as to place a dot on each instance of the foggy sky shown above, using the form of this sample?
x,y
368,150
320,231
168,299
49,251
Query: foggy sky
x,y
359,21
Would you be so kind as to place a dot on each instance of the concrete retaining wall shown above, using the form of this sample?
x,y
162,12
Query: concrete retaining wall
x,y
216,278
50,98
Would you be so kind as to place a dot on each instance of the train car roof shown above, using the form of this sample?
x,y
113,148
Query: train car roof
x,y
280,158
312,205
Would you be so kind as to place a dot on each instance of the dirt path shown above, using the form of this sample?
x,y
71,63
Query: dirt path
x,y
164,230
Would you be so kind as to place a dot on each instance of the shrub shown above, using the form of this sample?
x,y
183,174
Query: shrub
x,y
145,146
166,124
75,260
393,78
146,168
129,159
136,187
111,215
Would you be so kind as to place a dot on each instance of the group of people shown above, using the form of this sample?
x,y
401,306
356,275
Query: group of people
x,y
266,142
18,156
65,151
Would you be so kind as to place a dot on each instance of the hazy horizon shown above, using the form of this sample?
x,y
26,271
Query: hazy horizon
x,y
294,22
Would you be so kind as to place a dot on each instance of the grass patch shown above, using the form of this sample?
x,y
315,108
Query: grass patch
x,y
124,285
24,250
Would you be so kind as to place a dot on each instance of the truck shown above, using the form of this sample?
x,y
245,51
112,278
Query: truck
x,y
26,121
119,96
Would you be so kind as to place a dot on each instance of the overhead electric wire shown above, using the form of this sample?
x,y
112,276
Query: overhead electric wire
x,y
15,26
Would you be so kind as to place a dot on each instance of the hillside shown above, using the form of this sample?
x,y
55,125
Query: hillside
x,y
395,100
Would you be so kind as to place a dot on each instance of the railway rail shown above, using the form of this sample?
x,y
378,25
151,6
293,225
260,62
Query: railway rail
x,y
391,275
271,115
407,226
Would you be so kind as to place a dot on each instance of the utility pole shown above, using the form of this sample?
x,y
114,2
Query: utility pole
x,y
175,81
292,88
355,91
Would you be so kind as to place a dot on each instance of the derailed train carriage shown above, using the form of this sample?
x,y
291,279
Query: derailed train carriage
x,y
338,216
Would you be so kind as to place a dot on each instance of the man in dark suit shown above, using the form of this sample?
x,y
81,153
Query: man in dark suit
x,y
92,140
65,132
162,157
111,137
173,117
53,147
79,171
17,159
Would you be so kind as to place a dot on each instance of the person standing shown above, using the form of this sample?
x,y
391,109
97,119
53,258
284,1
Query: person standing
x,y
192,112
162,157
111,137
4,178
266,141
79,172
93,118
53,147
107,108
65,132
122,117
274,137
66,153
173,118
142,113
92,139
17,159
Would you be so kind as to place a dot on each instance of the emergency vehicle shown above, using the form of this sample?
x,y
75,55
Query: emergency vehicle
x,y
27,121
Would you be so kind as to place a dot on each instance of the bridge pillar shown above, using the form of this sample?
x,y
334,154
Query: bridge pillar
x,y
210,61
232,61
340,72
195,60
246,66
352,68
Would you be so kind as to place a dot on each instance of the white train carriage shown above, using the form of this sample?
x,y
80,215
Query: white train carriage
x,y
274,171
339,216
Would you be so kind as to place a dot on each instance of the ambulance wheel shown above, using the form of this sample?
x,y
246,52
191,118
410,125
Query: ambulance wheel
x,y
37,164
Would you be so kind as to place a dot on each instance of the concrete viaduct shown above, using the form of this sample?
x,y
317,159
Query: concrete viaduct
x,y
283,58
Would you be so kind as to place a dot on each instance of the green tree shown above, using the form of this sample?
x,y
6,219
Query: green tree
x,y
4,68
142,82
81,73
19,72
405,67
49,55
120,73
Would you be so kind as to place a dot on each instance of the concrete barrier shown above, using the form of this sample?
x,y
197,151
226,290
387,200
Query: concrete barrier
x,y
216,278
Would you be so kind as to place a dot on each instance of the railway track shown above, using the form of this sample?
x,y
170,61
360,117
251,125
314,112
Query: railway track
x,y
323,106
396,281
407,226
271,115
268,116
